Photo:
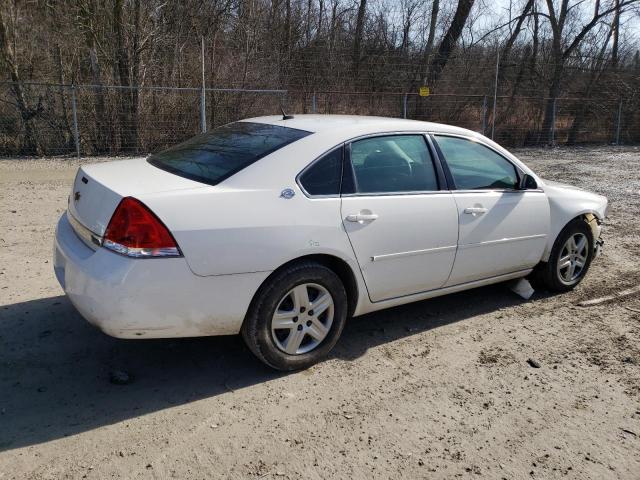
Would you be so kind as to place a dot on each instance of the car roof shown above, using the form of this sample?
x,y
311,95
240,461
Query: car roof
x,y
364,124
330,131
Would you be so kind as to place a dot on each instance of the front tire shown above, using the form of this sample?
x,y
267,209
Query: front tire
x,y
297,316
569,261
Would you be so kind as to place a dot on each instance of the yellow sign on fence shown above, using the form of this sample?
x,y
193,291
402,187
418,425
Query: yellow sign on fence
x,y
424,91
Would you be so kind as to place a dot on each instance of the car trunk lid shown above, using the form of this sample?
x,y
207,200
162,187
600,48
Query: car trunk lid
x,y
99,188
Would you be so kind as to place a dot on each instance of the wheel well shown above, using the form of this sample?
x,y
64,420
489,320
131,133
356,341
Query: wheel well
x,y
589,218
592,221
339,267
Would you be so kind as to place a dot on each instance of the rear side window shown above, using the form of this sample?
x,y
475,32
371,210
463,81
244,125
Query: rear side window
x,y
218,154
475,167
324,176
394,163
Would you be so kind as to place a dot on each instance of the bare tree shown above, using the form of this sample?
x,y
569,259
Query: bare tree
x,y
564,45
433,22
449,41
308,46
128,124
597,69
615,32
87,20
506,50
28,112
409,11
357,38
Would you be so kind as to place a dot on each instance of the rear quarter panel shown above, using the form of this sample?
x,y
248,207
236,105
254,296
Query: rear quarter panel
x,y
224,231
244,225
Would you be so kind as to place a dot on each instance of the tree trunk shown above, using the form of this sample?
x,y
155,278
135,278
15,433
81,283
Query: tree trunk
x,y
615,31
68,132
535,43
435,10
127,126
548,123
30,145
308,29
287,27
104,129
449,40
103,132
421,105
516,31
507,111
557,57
135,76
357,39
406,30
333,27
578,120
320,17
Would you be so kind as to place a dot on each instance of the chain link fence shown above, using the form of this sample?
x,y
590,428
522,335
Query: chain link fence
x,y
85,120
106,120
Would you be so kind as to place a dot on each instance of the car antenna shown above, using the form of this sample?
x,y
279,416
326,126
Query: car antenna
x,y
284,115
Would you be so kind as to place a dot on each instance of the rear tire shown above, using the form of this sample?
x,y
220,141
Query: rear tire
x,y
283,330
569,260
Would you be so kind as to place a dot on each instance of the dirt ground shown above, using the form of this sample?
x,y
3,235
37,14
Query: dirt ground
x,y
436,389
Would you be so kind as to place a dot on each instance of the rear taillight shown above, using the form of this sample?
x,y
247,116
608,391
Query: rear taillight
x,y
135,231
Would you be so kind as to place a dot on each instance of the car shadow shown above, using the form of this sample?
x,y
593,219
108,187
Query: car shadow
x,y
55,368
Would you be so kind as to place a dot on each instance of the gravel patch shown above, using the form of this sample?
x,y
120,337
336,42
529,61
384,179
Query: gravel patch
x,y
477,384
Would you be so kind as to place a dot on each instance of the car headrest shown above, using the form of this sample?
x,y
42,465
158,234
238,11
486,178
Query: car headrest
x,y
388,161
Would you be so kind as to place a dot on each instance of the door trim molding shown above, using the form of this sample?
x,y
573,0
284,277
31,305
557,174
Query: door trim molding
x,y
500,241
377,258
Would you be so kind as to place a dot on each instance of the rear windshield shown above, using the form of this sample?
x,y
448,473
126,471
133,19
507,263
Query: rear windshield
x,y
213,156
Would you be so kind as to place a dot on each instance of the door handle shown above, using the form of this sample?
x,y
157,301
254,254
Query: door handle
x,y
362,217
475,211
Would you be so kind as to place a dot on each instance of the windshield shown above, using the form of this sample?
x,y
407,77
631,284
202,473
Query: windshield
x,y
216,155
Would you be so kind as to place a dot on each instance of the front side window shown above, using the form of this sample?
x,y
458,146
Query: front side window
x,y
213,156
476,167
393,163
323,177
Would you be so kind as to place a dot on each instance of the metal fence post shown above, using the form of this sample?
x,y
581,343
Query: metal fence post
x,y
484,115
404,105
284,101
619,123
553,123
495,96
74,111
203,95
203,110
314,104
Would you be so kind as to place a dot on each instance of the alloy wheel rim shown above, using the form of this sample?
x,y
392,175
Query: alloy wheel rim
x,y
573,258
302,319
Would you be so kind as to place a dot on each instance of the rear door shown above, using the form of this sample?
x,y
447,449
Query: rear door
x,y
402,226
501,229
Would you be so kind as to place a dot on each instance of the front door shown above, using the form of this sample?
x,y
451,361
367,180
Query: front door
x,y
402,227
501,229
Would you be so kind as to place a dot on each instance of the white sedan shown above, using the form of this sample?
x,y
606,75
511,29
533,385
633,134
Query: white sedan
x,y
280,228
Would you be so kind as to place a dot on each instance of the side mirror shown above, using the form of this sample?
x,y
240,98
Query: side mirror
x,y
527,182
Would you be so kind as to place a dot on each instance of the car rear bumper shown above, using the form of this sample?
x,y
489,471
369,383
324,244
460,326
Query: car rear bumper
x,y
148,298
